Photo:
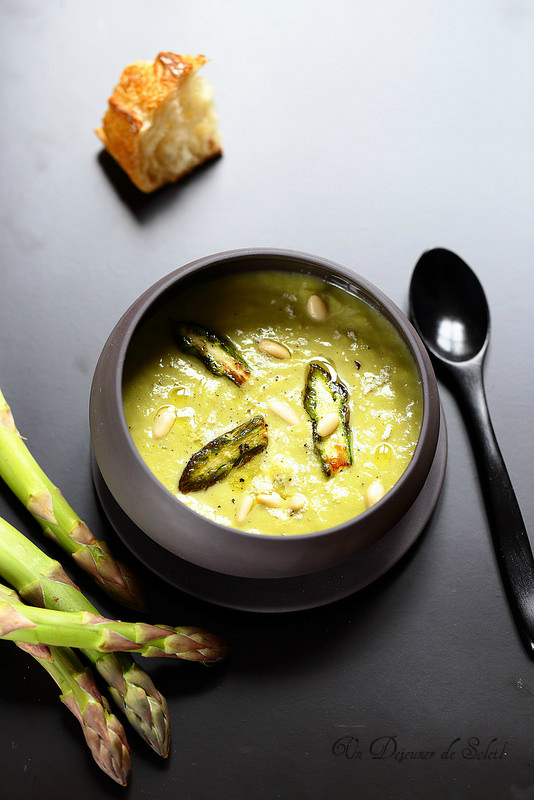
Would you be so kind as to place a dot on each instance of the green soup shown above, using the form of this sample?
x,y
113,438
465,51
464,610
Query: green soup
x,y
284,489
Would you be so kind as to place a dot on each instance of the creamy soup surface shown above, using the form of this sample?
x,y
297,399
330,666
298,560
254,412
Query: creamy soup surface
x,y
367,354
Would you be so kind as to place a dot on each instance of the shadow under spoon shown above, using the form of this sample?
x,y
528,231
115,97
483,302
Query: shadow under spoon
x,y
449,310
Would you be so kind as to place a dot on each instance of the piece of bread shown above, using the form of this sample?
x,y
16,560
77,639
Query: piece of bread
x,y
161,122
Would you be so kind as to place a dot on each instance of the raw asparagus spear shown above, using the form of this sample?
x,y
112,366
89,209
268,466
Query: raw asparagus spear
x,y
23,623
59,521
103,732
322,396
216,352
215,460
41,581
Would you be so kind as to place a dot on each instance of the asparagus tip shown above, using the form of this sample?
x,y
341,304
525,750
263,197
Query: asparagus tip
x,y
114,577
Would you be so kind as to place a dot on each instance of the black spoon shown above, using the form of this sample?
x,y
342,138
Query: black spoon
x,y
449,310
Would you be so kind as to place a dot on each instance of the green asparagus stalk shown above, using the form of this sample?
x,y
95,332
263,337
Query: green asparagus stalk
x,y
22,623
41,581
103,732
59,521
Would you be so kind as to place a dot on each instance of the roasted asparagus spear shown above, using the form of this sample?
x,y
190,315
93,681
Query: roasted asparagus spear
x,y
215,460
326,401
216,352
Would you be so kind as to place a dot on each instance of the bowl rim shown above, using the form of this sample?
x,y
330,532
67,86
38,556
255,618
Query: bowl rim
x,y
402,494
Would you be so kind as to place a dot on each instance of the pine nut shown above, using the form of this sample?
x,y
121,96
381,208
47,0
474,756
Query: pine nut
x,y
283,411
274,349
327,424
163,421
317,308
244,508
270,500
375,491
296,502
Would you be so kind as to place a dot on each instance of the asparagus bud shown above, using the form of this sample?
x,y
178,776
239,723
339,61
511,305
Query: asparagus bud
x,y
134,692
59,521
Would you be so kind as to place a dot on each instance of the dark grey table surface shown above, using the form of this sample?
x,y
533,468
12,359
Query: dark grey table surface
x,y
362,132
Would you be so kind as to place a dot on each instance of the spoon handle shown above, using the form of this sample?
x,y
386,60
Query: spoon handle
x,y
512,547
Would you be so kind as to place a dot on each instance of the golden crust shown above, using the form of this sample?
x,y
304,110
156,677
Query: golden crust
x,y
142,89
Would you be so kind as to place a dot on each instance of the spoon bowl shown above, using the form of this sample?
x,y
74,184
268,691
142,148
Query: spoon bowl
x,y
450,312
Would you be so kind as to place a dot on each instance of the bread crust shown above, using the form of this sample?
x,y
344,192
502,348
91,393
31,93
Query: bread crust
x,y
142,89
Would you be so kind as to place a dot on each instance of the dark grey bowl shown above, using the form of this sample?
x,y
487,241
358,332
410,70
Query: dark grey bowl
x,y
154,513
